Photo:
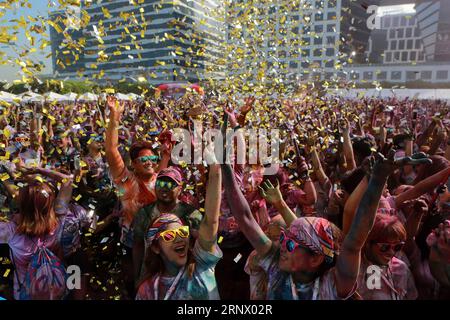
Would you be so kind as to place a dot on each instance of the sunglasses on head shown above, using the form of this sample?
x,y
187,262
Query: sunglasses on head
x,y
170,235
289,244
385,247
166,184
152,158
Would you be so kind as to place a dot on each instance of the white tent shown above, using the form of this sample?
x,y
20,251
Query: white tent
x,y
31,97
134,96
71,96
8,97
88,96
121,96
52,97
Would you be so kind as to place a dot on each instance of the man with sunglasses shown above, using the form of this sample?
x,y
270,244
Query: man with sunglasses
x,y
136,187
168,188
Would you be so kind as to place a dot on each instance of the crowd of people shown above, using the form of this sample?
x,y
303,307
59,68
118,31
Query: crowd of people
x,y
356,208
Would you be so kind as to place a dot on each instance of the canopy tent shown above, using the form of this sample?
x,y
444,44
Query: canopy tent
x,y
134,96
9,97
31,97
71,96
88,96
52,97
121,96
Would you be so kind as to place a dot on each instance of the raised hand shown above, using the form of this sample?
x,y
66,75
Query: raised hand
x,y
116,108
384,167
249,102
271,193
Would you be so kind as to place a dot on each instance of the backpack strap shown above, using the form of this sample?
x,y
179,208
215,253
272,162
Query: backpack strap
x,y
15,269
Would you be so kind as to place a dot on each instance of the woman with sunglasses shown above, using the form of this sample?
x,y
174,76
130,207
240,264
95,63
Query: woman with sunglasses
x,y
395,281
173,270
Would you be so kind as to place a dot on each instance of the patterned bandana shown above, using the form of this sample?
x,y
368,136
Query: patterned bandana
x,y
316,234
160,225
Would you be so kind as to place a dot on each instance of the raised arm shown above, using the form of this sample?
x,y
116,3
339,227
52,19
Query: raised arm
x,y
113,157
423,187
352,203
241,210
208,228
348,148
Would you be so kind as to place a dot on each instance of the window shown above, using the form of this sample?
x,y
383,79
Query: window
x,y
396,75
425,75
318,28
400,33
392,33
331,39
403,21
395,22
354,75
409,44
388,56
394,45
367,75
413,55
408,33
405,56
401,44
411,75
318,40
387,22
329,52
442,74
382,75
331,28
417,46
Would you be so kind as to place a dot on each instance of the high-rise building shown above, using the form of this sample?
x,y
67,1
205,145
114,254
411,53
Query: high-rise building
x,y
66,42
398,40
433,18
162,41
298,39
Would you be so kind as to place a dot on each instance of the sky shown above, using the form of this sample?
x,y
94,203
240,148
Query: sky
x,y
39,7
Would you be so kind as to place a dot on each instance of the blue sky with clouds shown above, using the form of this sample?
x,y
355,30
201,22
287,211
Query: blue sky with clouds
x,y
39,8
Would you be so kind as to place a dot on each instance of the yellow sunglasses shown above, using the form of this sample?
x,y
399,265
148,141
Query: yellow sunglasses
x,y
170,235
